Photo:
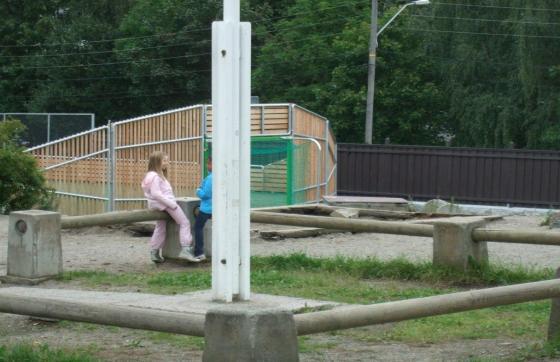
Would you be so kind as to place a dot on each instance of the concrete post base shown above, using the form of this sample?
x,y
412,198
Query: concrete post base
x,y
453,245
34,247
208,238
172,246
250,335
554,321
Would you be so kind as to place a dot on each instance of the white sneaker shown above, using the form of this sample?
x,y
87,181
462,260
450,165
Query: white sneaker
x,y
187,253
201,257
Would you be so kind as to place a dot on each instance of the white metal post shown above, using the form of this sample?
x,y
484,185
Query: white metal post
x,y
245,164
231,57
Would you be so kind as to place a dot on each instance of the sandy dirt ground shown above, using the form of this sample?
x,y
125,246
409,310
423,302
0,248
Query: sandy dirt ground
x,y
116,251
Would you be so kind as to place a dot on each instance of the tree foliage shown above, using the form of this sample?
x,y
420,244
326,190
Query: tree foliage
x,y
22,185
474,73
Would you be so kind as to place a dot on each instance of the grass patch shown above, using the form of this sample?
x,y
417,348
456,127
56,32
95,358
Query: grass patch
x,y
402,269
364,281
539,351
176,340
41,353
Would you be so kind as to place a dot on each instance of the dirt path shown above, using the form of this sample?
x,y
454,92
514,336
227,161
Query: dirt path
x,y
113,250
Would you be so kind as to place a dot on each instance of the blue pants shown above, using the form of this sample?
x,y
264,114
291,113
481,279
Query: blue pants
x,y
198,232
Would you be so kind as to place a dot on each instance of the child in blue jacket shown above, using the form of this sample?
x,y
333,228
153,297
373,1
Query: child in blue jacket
x,y
204,192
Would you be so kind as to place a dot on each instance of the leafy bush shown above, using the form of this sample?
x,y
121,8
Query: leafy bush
x,y
22,185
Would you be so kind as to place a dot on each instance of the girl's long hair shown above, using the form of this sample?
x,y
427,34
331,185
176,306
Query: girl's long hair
x,y
156,164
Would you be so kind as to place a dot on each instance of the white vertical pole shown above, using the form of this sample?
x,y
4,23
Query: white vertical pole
x,y
245,163
231,10
231,77
223,154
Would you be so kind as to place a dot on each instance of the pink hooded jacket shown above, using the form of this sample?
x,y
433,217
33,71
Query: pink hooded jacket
x,y
158,191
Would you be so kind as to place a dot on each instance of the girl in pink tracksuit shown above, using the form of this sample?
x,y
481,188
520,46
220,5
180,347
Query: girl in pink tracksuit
x,y
160,196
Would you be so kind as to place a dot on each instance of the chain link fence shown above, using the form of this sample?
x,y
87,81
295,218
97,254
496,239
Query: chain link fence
x,y
46,127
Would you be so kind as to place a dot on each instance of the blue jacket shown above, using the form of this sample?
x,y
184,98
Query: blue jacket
x,y
204,192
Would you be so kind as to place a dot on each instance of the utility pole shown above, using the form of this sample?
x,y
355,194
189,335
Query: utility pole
x,y
371,72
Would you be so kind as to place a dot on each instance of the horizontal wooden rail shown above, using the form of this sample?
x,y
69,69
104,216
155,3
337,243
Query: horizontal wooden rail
x,y
517,236
354,225
112,218
120,316
357,316
326,222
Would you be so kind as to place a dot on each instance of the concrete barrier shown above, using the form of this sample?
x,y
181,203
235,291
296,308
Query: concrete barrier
x,y
236,334
453,244
172,246
34,248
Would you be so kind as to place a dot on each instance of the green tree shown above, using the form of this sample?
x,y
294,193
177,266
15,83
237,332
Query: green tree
x,y
319,59
22,184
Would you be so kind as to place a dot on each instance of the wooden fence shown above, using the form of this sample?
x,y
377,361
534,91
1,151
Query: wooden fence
x,y
514,177
102,169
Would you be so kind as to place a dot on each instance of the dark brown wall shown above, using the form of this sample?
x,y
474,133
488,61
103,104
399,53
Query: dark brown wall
x,y
515,177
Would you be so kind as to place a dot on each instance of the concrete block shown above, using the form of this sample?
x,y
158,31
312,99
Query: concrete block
x,y
34,247
208,238
234,334
453,245
172,246
346,213
437,206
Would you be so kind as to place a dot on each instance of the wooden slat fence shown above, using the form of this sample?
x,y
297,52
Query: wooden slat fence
x,y
102,169
515,177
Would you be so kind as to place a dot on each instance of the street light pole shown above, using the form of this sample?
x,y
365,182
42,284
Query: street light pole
x,y
371,72
372,57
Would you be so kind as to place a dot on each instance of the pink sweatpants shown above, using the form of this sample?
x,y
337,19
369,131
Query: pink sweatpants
x,y
185,237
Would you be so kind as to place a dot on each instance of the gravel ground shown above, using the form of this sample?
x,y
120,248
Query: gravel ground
x,y
113,250
103,248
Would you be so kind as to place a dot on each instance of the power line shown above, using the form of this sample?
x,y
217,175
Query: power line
x,y
482,20
199,42
482,33
496,7
115,63
169,58
175,73
82,41
79,42
104,51
104,95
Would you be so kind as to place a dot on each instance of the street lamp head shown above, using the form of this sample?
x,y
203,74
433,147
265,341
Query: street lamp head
x,y
421,2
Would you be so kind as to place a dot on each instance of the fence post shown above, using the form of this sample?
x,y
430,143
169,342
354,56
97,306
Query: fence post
x,y
234,334
111,167
34,248
326,158
554,321
48,127
203,140
453,245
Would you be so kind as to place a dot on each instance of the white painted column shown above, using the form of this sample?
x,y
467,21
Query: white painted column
x,y
245,164
231,59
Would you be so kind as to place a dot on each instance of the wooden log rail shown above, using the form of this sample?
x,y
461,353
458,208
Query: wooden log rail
x,y
119,316
358,316
352,225
307,323
112,218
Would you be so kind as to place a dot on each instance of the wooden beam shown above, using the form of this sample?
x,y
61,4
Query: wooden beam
x,y
353,225
112,218
357,316
112,315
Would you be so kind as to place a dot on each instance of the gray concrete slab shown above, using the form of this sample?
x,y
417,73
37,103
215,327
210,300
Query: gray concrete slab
x,y
193,303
